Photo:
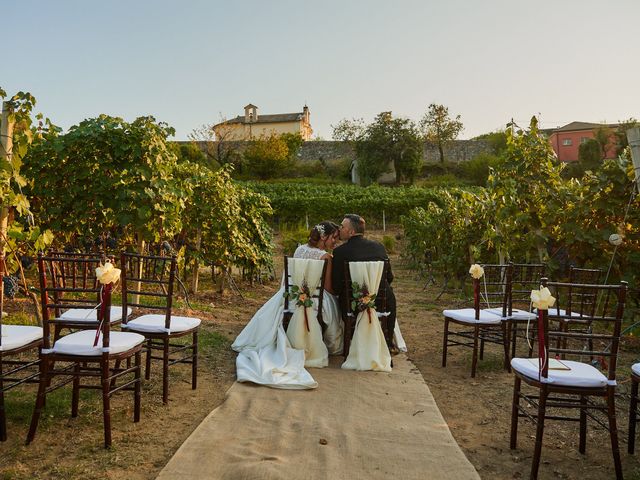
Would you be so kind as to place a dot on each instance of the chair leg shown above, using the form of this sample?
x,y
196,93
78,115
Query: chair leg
x,y
194,364
542,410
481,355
474,359
40,398
116,367
3,418
505,343
75,396
513,336
582,448
165,371
106,402
613,430
147,368
633,412
445,342
514,413
137,389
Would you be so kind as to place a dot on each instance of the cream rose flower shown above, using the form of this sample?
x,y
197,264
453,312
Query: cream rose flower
x,y
107,273
476,271
542,299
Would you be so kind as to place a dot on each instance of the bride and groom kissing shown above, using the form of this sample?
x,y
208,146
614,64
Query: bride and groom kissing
x,y
266,353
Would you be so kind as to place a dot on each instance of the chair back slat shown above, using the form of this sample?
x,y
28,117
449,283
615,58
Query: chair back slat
x,y
70,282
148,282
593,334
524,278
494,288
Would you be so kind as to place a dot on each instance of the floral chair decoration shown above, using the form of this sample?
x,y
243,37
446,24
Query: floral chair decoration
x,y
304,329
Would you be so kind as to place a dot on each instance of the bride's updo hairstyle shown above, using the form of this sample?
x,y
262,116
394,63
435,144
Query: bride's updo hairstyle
x,y
323,229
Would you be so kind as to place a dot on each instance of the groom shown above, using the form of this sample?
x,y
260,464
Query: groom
x,y
356,248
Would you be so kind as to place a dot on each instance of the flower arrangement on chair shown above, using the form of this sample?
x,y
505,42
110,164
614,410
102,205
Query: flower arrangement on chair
x,y
362,299
108,276
302,296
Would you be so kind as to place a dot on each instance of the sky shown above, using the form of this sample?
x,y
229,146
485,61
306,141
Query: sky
x,y
192,62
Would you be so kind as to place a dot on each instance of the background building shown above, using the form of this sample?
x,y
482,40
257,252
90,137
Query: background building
x,y
566,140
252,125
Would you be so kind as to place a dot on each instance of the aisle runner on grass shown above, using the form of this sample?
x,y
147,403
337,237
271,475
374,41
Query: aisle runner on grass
x,y
354,425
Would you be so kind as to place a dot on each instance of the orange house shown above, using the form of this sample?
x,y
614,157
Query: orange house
x,y
566,140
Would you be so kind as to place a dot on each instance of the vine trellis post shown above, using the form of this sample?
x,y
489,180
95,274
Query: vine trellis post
x,y
6,139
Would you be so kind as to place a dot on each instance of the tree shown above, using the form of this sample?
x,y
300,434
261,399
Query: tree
x,y
621,134
497,140
216,144
268,157
348,130
590,154
384,142
605,139
439,128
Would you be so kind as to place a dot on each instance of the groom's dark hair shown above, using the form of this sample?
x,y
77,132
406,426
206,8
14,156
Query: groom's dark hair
x,y
357,222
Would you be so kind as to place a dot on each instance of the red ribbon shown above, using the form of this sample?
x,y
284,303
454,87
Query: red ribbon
x,y
369,314
541,344
306,318
103,311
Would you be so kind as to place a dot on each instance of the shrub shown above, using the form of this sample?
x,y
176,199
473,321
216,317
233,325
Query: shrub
x,y
389,243
476,170
290,239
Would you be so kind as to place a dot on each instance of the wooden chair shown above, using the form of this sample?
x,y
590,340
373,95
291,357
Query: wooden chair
x,y
78,318
318,295
147,283
582,384
524,278
15,368
79,352
633,407
480,324
349,316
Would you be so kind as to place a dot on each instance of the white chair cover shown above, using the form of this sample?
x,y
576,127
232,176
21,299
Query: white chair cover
x,y
368,349
316,353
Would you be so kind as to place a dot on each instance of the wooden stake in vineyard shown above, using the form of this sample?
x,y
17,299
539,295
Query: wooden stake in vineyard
x,y
6,140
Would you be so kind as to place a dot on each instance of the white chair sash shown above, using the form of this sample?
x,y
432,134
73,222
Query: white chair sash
x,y
368,350
304,331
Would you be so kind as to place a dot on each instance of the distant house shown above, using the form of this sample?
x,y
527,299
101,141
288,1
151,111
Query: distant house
x,y
566,140
252,125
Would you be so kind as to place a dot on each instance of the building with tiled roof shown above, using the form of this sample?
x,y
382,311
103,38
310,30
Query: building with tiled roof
x,y
566,140
252,125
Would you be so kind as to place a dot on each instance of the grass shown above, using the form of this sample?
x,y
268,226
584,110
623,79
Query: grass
x,y
210,343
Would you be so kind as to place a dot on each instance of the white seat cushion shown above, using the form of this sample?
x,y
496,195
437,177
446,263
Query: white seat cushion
x,y
468,315
155,324
516,314
559,312
579,375
16,336
81,343
91,316
635,368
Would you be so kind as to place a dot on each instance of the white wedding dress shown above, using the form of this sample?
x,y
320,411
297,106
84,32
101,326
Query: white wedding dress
x,y
265,352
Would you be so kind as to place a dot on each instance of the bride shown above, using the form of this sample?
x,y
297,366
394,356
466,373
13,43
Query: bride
x,y
265,355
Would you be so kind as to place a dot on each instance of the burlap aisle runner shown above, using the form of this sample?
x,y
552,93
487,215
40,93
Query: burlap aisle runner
x,y
367,425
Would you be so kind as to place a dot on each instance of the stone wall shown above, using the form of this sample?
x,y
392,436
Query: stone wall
x,y
324,150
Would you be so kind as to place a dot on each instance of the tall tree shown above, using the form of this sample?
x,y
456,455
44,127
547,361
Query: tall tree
x,y
385,142
605,138
439,128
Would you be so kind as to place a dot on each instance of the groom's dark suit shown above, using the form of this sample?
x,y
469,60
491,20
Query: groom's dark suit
x,y
360,249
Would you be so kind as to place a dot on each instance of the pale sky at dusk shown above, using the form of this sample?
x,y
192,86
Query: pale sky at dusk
x,y
188,62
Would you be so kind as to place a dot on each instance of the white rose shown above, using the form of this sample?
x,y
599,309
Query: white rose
x,y
542,299
476,271
107,273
